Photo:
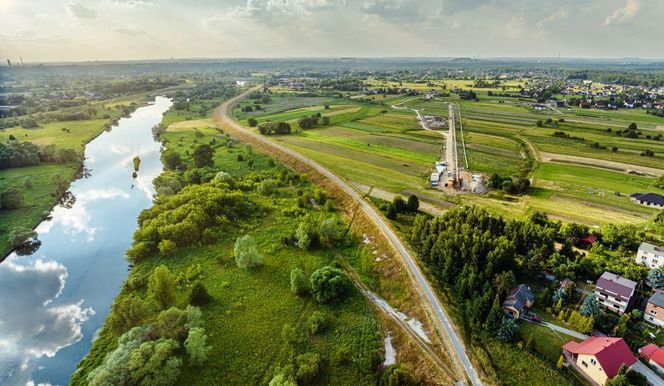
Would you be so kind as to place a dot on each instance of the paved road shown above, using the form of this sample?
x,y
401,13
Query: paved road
x,y
564,330
224,114
650,375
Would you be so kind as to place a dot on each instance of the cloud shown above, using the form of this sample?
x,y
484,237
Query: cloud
x,y
76,220
47,328
129,31
624,14
130,3
515,26
80,11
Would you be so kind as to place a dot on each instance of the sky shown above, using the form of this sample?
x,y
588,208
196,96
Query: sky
x,y
79,30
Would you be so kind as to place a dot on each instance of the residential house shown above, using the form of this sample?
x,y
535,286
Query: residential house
x,y
598,358
654,356
588,241
654,312
649,199
518,301
650,255
614,292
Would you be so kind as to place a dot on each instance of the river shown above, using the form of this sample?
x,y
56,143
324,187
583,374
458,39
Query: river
x,y
53,302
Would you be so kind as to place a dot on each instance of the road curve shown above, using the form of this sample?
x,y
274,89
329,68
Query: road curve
x,y
224,115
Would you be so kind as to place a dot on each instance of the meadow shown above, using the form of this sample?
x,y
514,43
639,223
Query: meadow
x,y
249,309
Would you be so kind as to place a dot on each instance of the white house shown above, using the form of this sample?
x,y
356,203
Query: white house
x,y
650,255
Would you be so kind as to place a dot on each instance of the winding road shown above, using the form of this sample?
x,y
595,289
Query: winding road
x,y
224,118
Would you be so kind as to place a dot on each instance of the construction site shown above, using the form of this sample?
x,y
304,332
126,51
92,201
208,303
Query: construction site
x,y
450,173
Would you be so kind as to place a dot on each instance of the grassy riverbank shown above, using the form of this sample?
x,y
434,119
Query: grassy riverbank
x,y
256,327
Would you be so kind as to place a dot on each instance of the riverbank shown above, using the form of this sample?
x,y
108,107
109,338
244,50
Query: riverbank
x,y
55,301
42,194
246,346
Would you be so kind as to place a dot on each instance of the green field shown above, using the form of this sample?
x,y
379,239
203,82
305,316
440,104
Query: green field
x,y
249,310
38,200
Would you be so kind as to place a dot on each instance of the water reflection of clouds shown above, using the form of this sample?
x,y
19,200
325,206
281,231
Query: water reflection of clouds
x,y
76,220
120,149
44,330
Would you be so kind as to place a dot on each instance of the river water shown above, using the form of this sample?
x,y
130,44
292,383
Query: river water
x,y
53,302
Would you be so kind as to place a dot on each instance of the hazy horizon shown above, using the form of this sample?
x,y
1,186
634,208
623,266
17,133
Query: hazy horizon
x,y
73,30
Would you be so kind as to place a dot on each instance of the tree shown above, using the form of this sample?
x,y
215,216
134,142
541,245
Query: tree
x,y
539,123
399,204
308,367
413,203
504,282
655,278
196,346
298,282
507,330
495,318
330,230
171,159
246,253
27,182
12,198
632,126
317,322
282,380
167,248
391,212
330,284
60,184
326,120
590,306
397,375
561,362
127,313
203,156
252,122
153,363
199,295
19,236
635,378
161,287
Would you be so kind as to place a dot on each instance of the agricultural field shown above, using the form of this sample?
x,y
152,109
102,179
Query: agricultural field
x,y
375,145
366,143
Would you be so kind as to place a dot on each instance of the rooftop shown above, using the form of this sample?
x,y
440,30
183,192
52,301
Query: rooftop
x,y
651,248
653,198
615,284
611,353
657,299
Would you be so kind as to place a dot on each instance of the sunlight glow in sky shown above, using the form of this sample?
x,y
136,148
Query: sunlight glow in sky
x,y
72,30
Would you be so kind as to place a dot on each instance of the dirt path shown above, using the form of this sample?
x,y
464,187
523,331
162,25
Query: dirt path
x,y
599,163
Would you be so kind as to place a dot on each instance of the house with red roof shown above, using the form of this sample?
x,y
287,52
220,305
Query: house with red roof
x,y
654,355
599,358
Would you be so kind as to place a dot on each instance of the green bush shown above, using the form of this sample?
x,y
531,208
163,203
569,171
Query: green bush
x,y
308,367
329,285
317,323
246,254
298,282
161,287
199,295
